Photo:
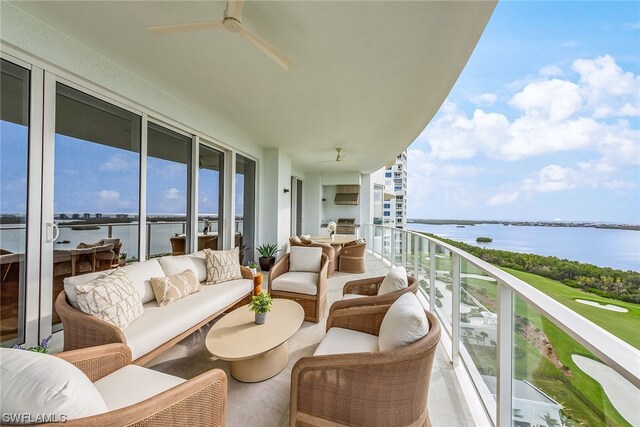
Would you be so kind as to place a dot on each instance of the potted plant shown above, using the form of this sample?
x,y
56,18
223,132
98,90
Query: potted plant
x,y
43,347
267,256
122,259
331,228
253,267
261,305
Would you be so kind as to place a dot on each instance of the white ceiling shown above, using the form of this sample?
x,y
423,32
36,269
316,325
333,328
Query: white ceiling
x,y
367,76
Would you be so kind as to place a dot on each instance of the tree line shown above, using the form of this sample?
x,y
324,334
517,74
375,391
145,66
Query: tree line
x,y
603,281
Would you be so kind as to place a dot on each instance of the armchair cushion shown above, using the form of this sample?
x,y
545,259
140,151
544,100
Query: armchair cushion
x,y
36,384
133,384
340,341
404,323
352,296
222,266
298,281
395,280
112,298
172,288
305,259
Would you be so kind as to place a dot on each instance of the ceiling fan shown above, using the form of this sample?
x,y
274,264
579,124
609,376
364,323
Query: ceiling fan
x,y
339,158
230,22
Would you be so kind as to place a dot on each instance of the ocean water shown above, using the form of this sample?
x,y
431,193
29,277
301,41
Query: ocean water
x,y
603,247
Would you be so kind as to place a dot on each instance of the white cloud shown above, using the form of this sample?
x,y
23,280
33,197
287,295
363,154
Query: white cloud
x,y
620,185
172,194
552,178
485,98
553,100
108,195
631,26
551,71
505,198
114,163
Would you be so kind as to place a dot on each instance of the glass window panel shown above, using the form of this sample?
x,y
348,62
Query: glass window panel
x,y
96,186
245,207
210,200
168,154
378,196
14,138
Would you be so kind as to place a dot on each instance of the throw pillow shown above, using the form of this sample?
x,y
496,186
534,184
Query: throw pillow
x,y
172,288
296,239
395,280
305,238
111,298
37,384
307,259
404,323
222,266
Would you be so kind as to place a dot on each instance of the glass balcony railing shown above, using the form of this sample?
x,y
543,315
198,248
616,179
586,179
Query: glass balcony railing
x,y
519,354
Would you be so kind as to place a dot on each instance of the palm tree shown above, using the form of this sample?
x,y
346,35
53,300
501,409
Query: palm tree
x,y
551,422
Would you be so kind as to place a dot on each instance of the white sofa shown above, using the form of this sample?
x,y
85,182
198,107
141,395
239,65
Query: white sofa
x,y
159,327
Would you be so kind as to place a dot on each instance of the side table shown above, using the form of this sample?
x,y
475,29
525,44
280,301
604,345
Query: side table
x,y
257,283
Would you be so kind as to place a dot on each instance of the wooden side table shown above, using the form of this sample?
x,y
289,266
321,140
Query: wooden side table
x,y
257,283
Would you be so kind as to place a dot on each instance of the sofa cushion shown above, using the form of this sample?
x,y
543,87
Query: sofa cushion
x,y
71,282
35,384
140,274
305,259
132,384
298,281
340,341
404,323
222,266
111,298
395,280
172,288
177,264
160,324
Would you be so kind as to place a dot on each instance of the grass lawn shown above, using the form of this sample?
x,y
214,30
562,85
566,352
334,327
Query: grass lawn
x,y
623,325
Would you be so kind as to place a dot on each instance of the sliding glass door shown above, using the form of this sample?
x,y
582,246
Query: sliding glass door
x,y
14,157
96,186
245,207
210,197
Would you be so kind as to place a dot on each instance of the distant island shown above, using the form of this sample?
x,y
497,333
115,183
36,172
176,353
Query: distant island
x,y
465,222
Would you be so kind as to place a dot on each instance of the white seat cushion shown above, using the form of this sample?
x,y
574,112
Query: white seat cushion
x,y
133,384
140,274
305,259
37,384
404,323
158,325
173,265
351,296
340,341
298,282
395,280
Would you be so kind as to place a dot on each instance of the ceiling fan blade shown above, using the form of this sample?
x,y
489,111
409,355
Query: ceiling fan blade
x,y
234,9
193,26
273,53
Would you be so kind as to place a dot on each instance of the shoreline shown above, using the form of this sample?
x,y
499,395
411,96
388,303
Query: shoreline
x,y
569,224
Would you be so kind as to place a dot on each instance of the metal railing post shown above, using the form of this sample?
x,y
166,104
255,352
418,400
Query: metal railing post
x,y
392,254
455,311
432,276
416,257
110,231
504,361
404,247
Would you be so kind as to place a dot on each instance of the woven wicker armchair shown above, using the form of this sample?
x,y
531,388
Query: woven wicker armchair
x,y
314,306
200,401
368,288
352,258
365,389
327,249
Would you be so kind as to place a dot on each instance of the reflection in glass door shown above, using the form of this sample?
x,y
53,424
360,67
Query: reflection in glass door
x,y
14,138
245,208
96,186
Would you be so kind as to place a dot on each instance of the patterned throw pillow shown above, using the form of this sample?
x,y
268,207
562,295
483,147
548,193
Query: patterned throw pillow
x,y
172,288
112,298
222,266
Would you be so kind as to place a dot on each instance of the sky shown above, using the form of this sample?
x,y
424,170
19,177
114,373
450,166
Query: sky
x,y
542,124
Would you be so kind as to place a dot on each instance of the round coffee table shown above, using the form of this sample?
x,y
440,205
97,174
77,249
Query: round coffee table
x,y
255,352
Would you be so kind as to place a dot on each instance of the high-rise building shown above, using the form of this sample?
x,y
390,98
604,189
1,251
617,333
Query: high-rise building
x,y
395,211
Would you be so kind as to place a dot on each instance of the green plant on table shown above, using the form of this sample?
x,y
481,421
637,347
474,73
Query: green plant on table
x,y
253,265
261,303
268,251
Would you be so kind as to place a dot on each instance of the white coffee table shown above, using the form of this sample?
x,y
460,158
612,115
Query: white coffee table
x,y
255,352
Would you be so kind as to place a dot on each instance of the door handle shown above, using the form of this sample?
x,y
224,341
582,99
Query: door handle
x,y
52,232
